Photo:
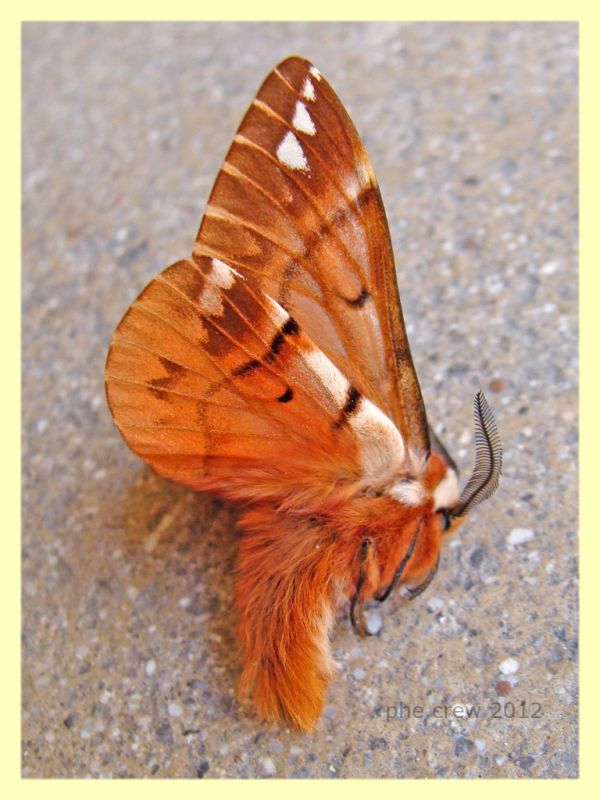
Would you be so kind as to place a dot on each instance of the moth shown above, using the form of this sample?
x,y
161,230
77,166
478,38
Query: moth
x,y
272,367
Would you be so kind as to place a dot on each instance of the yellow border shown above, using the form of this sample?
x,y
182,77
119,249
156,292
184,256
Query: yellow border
x,y
335,10
587,16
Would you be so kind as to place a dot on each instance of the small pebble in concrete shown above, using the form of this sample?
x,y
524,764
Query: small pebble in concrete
x,y
268,766
374,622
509,666
520,536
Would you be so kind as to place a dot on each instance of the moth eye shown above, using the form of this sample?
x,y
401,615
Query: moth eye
x,y
444,518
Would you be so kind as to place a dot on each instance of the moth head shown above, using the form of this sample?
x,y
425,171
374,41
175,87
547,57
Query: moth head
x,y
486,472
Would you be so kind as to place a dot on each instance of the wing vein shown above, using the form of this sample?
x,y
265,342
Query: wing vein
x,y
257,407
314,399
227,215
205,400
347,200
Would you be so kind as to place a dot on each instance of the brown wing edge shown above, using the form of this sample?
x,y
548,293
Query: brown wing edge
x,y
409,411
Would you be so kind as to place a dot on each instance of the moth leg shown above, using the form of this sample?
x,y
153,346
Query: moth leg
x,y
412,593
357,617
398,574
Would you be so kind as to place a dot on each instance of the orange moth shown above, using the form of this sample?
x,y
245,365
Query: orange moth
x,y
272,367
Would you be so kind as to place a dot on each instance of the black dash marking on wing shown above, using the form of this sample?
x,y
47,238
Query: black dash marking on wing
x,y
289,328
359,301
247,368
351,401
286,396
353,398
276,345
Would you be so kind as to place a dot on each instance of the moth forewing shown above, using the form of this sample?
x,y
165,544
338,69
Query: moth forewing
x,y
296,209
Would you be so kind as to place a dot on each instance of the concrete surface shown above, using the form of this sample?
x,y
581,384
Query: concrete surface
x,y
129,653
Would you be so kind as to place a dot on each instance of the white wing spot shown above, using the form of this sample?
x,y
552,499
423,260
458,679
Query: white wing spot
x,y
302,120
351,187
364,175
329,375
315,73
210,300
222,274
358,180
308,90
290,152
278,314
220,277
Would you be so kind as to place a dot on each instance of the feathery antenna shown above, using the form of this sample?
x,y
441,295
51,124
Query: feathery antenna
x,y
488,459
